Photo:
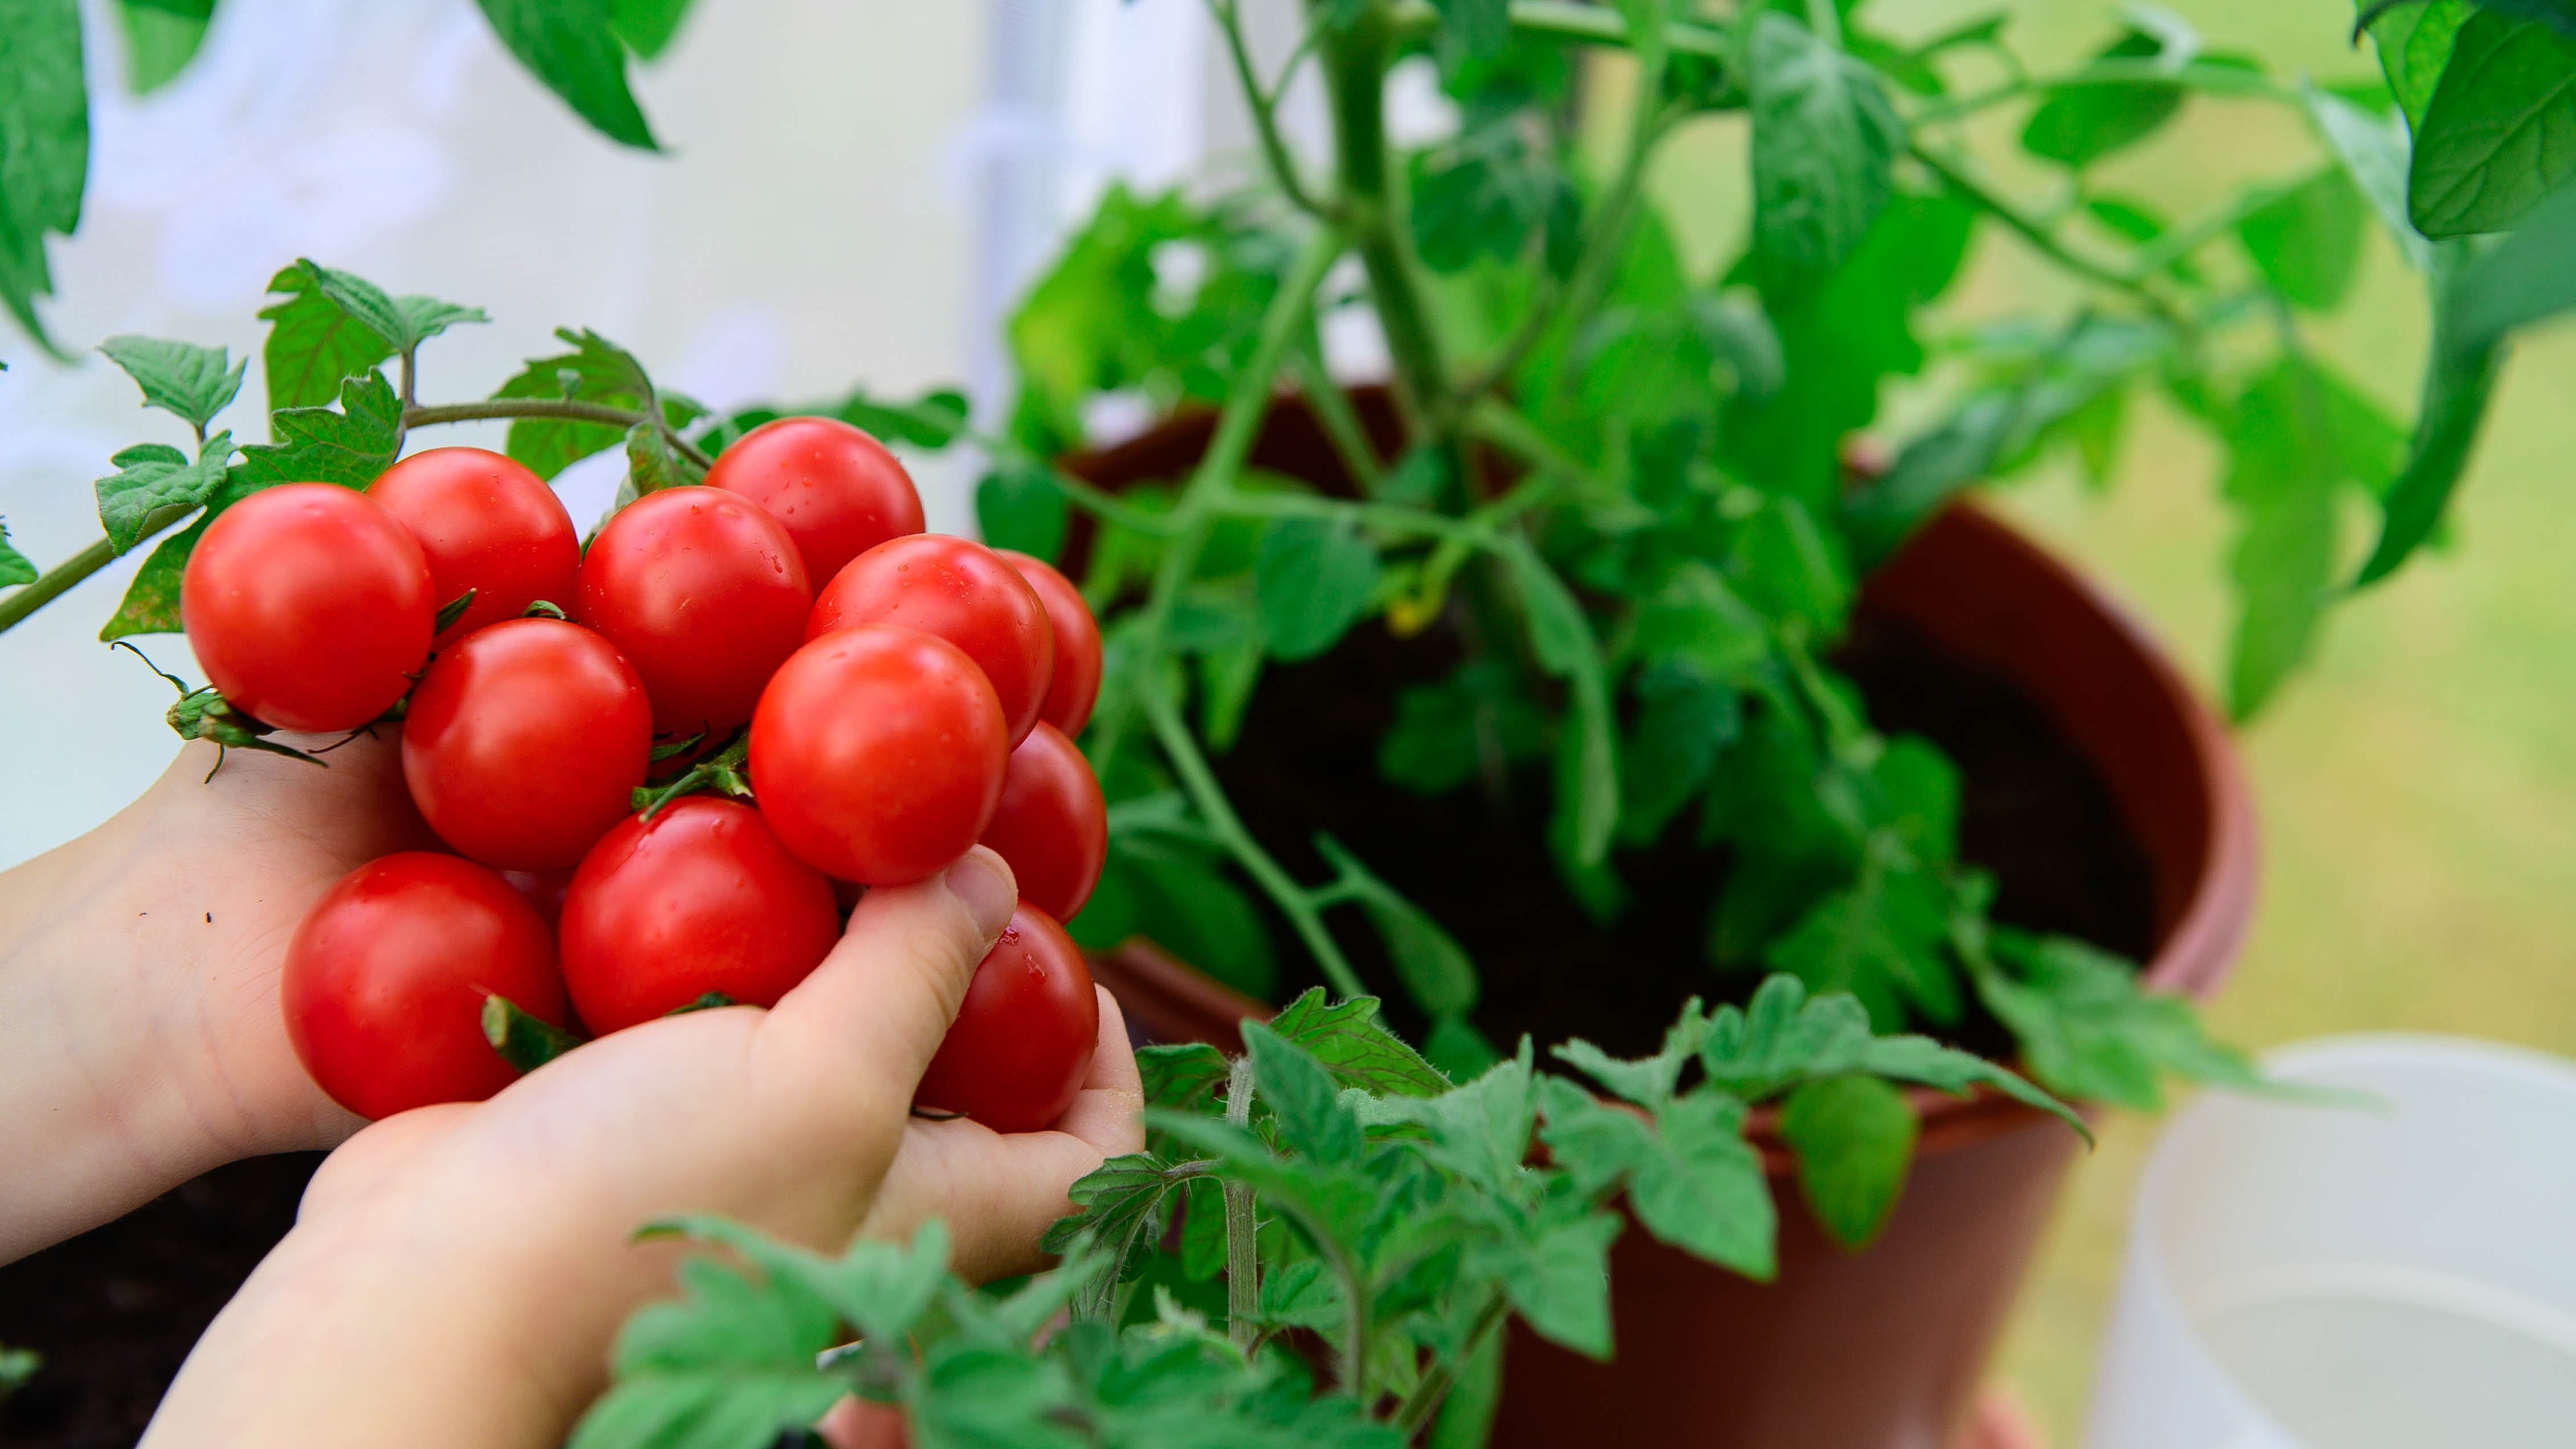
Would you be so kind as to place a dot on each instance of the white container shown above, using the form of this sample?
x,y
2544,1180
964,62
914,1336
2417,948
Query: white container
x,y
2393,1276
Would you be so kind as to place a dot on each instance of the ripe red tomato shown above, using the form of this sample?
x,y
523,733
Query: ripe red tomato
x,y
878,754
384,982
525,742
1052,825
704,594
700,898
964,593
487,524
838,491
309,606
1024,1037
1076,686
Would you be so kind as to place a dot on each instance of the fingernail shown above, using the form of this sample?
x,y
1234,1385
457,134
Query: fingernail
x,y
982,880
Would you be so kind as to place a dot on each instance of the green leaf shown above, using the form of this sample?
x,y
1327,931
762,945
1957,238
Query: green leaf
x,y
1303,1097
1560,1282
1445,733
2372,151
1179,895
313,342
426,317
1684,719
1883,940
572,46
1854,1137
1824,139
2079,125
151,602
350,445
2307,241
2414,44
1692,1180
2520,280
1562,639
1017,505
1434,968
931,422
2457,391
2501,130
192,382
2092,1032
595,371
363,300
652,464
2296,437
1782,1037
1119,1207
1484,27
1181,1076
1697,621
155,486
1315,578
1788,568
648,25
161,37
1345,1036
14,566
44,147
1483,195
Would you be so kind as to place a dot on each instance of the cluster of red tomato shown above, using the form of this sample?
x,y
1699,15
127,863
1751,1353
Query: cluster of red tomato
x,y
924,702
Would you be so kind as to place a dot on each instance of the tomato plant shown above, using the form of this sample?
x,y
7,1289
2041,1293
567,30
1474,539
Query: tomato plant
x,y
488,524
309,606
838,491
700,898
1075,685
1052,825
384,982
525,742
704,593
962,592
878,754
1024,1036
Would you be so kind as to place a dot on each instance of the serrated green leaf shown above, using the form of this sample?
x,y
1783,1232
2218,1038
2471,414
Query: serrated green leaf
x,y
1345,1036
2092,1032
350,445
155,486
1854,1137
161,37
1559,1281
1684,719
2079,125
648,25
2501,129
1445,733
1483,195
44,146
194,383
1302,1096
572,47
313,342
1782,1037
1182,1077
15,568
1704,1190
931,422
2307,241
370,305
1314,579
2414,44
652,464
598,371
1018,506
1562,639
151,602
1434,968
1824,140
1481,1129
426,317
1883,940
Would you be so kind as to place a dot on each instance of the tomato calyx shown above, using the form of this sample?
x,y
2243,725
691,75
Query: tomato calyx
x,y
203,713
453,610
524,1040
543,609
721,772
708,1002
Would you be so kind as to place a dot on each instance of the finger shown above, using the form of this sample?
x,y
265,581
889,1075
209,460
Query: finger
x,y
997,1193
861,1029
1108,1111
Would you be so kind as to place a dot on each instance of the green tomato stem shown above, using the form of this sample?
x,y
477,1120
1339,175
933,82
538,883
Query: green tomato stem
x,y
1242,1232
54,581
546,407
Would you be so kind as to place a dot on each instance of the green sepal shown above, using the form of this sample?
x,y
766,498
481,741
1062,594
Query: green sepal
x,y
525,1041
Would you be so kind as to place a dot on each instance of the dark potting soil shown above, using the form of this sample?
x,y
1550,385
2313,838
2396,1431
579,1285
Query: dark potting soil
x,y
2033,811
115,1310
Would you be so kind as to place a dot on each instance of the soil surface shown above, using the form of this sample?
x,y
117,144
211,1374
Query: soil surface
x,y
115,1310
2032,810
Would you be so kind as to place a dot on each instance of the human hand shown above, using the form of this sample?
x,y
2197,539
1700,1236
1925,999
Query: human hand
x,y
458,1272
140,1037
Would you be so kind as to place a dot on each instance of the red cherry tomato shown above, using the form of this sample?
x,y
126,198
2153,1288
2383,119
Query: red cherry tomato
x,y
1052,825
838,491
1024,1037
700,898
704,594
384,982
1076,686
308,606
964,593
878,754
487,524
525,742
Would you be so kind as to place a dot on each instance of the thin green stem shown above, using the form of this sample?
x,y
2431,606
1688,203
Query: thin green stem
x,y
1264,105
54,581
2174,245
1209,796
1826,21
1415,1413
546,407
2224,80
2047,242
1355,56
1093,499
1242,1231
1341,422
1566,20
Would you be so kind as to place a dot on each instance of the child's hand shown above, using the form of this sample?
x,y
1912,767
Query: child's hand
x,y
458,1272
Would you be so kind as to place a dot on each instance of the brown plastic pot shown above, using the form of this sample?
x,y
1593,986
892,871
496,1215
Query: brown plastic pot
x,y
1880,1349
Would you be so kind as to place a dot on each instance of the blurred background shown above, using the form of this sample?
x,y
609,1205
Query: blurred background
x,y
855,190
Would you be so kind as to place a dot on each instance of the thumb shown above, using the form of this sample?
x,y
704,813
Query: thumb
x,y
868,1020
